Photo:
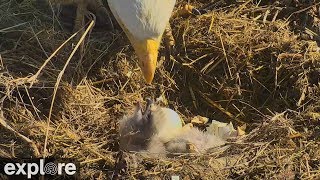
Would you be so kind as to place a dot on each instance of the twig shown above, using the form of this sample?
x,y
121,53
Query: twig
x,y
33,146
34,78
58,82
218,106
225,55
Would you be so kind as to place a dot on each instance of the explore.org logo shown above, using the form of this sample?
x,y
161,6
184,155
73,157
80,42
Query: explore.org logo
x,y
39,167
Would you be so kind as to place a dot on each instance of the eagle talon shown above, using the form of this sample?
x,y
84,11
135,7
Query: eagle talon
x,y
190,10
195,11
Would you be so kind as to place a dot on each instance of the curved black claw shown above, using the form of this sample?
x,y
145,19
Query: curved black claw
x,y
197,12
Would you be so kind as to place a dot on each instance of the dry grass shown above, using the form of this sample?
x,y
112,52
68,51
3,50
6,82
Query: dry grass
x,y
243,62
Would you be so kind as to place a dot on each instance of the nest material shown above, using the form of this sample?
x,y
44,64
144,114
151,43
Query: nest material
x,y
240,62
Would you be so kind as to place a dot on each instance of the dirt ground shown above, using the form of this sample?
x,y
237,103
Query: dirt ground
x,y
252,63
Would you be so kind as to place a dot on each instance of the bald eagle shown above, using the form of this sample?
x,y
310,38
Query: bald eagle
x,y
144,22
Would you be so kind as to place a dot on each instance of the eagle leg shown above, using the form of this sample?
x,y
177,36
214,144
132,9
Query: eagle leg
x,y
81,11
83,6
102,13
169,41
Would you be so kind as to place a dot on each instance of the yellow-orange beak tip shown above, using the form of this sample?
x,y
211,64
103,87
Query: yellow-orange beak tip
x,y
148,68
148,80
147,52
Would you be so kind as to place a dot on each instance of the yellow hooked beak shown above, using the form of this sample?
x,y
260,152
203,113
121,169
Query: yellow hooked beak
x,y
147,51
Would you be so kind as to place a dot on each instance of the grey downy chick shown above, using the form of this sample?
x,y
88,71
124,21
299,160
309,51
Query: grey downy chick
x,y
138,129
135,129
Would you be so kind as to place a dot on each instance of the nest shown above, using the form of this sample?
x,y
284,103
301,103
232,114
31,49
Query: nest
x,y
245,62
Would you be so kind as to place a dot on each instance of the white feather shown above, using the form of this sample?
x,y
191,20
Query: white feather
x,y
202,142
223,130
144,19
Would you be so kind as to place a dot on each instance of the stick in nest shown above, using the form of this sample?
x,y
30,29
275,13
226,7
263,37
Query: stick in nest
x,y
56,86
32,145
